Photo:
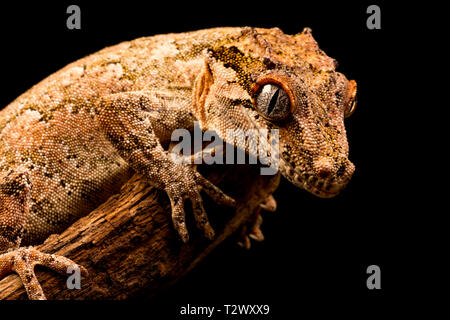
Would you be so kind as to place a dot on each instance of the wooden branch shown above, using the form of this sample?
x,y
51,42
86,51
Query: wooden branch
x,y
129,246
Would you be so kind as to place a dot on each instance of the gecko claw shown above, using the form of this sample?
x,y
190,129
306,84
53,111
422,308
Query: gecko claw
x,y
244,243
270,204
209,233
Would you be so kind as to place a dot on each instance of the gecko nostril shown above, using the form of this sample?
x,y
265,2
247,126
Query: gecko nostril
x,y
341,170
323,173
323,167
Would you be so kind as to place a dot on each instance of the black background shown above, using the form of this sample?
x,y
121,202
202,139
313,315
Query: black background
x,y
316,250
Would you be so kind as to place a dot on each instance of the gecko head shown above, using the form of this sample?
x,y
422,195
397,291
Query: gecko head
x,y
278,81
313,146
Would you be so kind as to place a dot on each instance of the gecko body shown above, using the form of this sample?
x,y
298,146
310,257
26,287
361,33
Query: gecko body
x,y
72,140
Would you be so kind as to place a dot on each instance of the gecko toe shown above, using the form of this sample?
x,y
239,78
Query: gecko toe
x,y
23,260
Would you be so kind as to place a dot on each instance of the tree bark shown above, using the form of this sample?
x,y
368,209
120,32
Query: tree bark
x,y
129,246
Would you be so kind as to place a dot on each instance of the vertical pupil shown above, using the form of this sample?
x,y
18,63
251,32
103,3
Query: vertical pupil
x,y
273,101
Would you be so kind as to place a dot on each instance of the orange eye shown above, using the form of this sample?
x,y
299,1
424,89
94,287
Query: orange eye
x,y
351,106
273,102
272,97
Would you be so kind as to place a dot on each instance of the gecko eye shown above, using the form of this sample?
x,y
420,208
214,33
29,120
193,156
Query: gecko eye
x,y
273,102
350,108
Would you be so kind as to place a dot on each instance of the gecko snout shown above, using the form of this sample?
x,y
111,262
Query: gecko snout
x,y
327,167
332,175
324,167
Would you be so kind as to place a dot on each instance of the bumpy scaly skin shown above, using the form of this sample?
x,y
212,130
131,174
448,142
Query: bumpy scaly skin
x,y
72,140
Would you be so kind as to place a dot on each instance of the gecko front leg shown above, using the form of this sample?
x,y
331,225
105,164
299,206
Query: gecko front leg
x,y
124,119
15,191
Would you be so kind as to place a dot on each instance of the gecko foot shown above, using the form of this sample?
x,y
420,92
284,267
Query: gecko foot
x,y
252,228
23,260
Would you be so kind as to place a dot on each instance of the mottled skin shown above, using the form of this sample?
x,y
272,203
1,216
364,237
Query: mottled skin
x,y
72,140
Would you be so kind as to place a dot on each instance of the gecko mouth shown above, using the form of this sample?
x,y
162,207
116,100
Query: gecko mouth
x,y
323,188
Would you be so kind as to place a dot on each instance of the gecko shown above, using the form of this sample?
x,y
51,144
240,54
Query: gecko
x,y
72,140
